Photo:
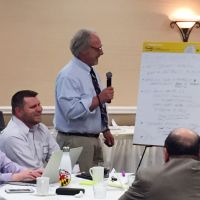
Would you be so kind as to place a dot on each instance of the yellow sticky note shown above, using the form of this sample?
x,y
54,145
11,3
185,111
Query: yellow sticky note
x,y
86,182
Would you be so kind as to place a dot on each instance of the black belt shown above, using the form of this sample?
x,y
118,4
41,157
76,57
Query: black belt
x,y
96,135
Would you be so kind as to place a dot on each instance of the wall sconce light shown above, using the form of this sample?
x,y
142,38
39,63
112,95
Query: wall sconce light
x,y
185,20
185,28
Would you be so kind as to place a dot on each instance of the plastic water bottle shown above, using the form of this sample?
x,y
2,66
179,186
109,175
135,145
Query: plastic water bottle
x,y
65,168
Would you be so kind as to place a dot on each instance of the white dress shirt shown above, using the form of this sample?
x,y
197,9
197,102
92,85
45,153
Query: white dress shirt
x,y
28,147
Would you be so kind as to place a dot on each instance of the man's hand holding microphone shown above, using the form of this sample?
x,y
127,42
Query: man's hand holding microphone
x,y
107,94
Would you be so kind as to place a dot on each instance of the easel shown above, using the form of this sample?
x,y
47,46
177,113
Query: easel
x,y
142,156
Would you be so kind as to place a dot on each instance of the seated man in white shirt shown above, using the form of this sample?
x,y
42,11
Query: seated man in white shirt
x,y
11,171
25,140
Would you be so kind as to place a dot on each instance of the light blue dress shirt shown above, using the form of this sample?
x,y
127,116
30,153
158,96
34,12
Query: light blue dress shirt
x,y
74,94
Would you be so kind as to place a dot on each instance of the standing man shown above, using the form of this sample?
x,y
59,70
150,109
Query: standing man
x,y
26,140
80,114
178,178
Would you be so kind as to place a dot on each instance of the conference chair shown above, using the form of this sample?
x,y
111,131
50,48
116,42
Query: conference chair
x,y
2,122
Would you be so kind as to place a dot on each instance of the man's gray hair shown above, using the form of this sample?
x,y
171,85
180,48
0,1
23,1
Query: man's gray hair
x,y
80,41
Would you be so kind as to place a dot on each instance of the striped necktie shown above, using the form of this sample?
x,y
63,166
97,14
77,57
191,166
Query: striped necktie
x,y
104,116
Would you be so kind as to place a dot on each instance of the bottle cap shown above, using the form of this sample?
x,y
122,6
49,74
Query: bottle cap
x,y
66,149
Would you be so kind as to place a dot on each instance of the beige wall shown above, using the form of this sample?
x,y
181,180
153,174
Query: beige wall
x,y
35,35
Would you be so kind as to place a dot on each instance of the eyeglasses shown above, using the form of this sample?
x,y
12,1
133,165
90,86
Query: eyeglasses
x,y
97,48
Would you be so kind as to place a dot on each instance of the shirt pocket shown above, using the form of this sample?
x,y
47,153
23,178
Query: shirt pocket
x,y
45,150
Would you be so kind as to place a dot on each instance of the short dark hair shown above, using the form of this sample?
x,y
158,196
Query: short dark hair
x,y
18,98
180,145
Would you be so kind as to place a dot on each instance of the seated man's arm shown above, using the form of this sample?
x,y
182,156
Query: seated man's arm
x,y
7,168
11,171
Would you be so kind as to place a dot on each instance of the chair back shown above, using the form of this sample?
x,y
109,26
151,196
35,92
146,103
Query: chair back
x,y
2,122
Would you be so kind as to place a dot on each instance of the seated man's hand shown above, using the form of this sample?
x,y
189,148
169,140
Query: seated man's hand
x,y
37,172
27,174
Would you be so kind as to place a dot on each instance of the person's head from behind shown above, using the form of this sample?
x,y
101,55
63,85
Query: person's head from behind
x,y
86,46
181,141
26,106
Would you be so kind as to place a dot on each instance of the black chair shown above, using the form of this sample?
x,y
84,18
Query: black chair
x,y
2,122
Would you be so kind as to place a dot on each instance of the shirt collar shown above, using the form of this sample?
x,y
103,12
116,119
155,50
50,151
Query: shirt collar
x,y
23,126
81,64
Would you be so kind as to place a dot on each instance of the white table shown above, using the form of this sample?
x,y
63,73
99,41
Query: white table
x,y
113,193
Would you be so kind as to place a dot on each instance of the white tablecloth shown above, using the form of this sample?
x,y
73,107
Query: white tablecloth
x,y
126,156
112,193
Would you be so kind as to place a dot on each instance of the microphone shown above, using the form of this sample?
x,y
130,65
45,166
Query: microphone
x,y
109,81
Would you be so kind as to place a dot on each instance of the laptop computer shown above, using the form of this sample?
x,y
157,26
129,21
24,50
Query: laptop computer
x,y
52,168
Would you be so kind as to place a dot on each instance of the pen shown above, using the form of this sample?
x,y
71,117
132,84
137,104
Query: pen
x,y
123,173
